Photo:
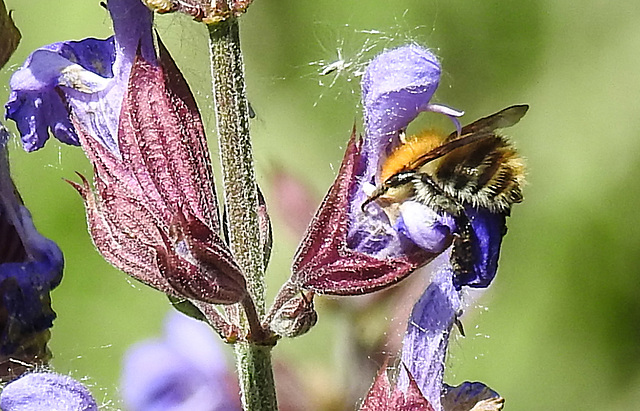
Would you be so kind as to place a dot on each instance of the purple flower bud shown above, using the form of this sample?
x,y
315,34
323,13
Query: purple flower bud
x,y
30,267
186,369
46,391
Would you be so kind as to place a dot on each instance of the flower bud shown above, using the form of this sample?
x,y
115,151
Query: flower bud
x,y
295,317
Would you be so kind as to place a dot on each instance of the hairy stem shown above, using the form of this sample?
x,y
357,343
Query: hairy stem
x,y
241,201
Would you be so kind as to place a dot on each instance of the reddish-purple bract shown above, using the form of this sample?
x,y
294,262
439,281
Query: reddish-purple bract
x,y
325,264
154,212
381,397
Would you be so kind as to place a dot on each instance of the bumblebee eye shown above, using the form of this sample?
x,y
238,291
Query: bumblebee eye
x,y
399,179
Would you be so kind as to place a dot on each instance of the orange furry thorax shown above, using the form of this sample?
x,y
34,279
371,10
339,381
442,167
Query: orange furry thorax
x,y
409,151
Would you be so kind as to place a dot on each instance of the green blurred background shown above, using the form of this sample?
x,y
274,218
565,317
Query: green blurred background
x,y
562,325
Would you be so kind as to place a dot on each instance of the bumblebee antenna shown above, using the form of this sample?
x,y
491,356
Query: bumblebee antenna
x,y
374,196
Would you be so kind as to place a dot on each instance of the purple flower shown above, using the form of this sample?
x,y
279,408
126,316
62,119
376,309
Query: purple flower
x,y
425,344
185,370
153,210
355,245
346,249
399,202
87,78
30,267
46,391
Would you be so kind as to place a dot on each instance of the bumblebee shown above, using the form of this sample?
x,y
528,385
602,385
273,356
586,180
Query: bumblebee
x,y
473,167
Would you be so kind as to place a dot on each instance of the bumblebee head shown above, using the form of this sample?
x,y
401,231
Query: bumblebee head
x,y
394,189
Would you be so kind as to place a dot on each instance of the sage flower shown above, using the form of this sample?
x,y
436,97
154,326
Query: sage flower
x,y
30,267
355,245
152,211
347,250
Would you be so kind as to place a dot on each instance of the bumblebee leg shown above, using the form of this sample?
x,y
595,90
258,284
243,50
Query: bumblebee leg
x,y
462,253
458,324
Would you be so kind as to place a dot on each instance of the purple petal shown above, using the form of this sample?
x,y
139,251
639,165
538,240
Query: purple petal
x,y
425,343
425,227
396,86
86,78
46,391
487,230
185,370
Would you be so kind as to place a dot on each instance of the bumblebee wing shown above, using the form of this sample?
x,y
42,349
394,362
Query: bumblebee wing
x,y
478,130
502,119
448,147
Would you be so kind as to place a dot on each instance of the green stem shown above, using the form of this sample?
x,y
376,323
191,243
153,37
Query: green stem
x,y
241,201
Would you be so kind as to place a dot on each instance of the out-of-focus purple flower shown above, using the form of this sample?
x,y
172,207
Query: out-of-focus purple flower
x,y
184,370
153,210
30,267
293,200
46,391
347,250
87,78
